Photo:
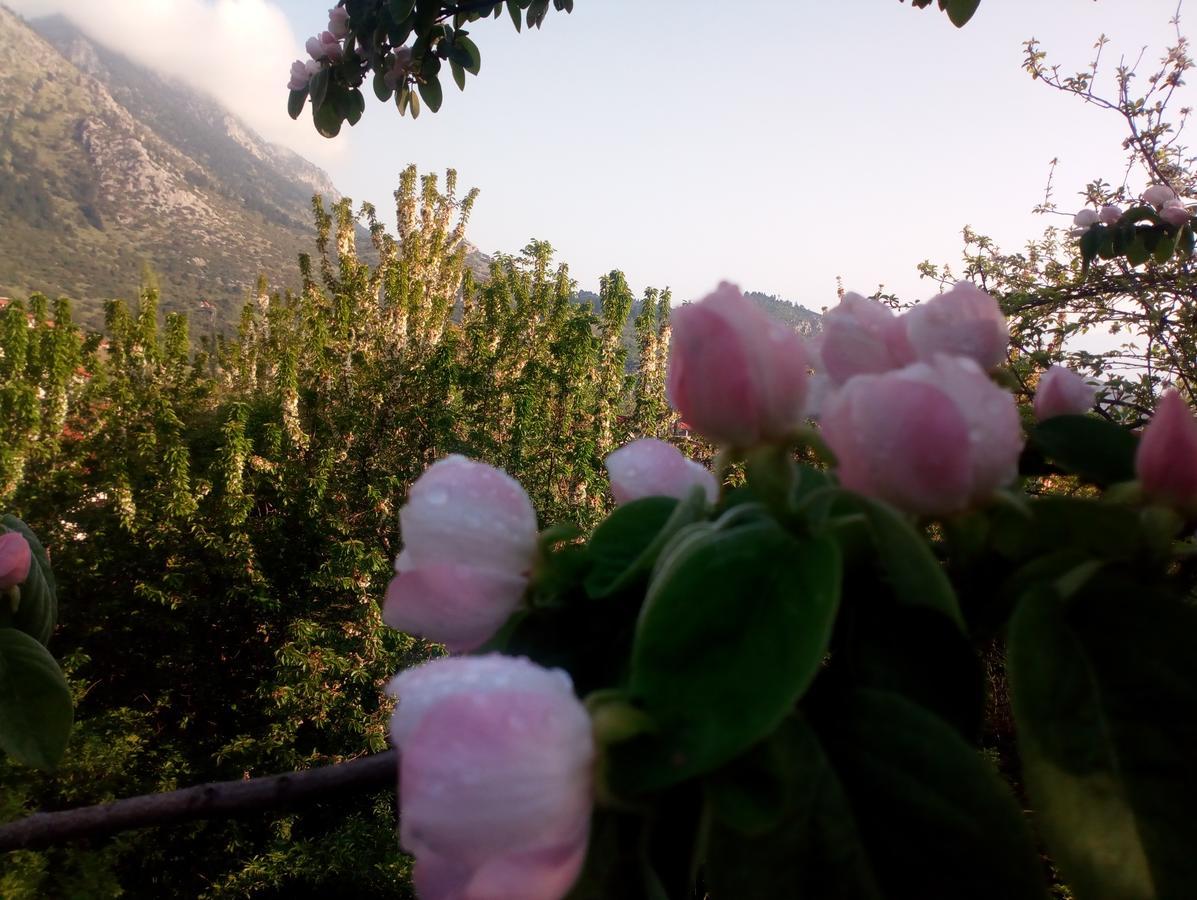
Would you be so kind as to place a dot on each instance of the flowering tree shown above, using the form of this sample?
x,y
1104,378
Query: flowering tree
x,y
1126,268
776,689
368,40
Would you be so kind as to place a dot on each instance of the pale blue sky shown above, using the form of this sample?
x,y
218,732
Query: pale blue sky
x,y
778,143
779,146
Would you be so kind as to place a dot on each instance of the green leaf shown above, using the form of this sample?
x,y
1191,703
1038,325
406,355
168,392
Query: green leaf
x,y
920,654
1108,531
413,103
1091,448
318,87
295,102
1137,214
1103,687
960,11
537,11
627,543
431,92
733,630
472,60
813,847
327,119
37,611
1091,244
917,578
381,89
883,800
756,792
458,74
513,10
355,105
35,702
401,9
1165,249
1136,252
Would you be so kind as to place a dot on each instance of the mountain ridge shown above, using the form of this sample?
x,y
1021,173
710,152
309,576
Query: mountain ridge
x,y
107,168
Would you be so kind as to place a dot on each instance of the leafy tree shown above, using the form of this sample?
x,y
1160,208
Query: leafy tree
x,y
1106,304
223,522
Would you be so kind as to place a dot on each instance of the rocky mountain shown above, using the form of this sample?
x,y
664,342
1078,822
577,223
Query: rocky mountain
x,y
107,167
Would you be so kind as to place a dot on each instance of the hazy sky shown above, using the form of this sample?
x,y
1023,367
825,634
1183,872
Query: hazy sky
x,y
778,143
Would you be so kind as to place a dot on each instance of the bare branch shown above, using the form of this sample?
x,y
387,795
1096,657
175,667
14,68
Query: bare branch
x,y
205,801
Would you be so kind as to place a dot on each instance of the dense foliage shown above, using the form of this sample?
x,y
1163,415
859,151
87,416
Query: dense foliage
x,y
222,518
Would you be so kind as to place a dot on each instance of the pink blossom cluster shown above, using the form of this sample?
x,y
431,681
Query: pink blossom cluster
x,y
1163,198
497,754
325,46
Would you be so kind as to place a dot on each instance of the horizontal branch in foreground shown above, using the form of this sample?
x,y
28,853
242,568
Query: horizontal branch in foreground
x,y
205,801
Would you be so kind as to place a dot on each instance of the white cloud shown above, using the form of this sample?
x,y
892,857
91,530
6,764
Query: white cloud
x,y
238,51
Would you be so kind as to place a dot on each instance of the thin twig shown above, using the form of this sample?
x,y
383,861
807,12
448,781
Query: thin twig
x,y
205,801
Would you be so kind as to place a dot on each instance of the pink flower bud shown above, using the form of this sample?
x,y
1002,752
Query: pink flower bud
x,y
324,46
1085,218
932,438
1062,392
1158,194
1111,214
15,559
495,778
469,541
299,76
338,22
736,375
862,336
333,50
1175,213
964,321
1166,461
652,468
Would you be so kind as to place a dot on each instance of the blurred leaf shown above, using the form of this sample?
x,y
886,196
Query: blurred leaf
x,y
472,59
1091,448
883,800
917,578
401,9
537,11
1136,252
36,710
960,11
327,119
318,87
458,74
513,10
1104,686
295,102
